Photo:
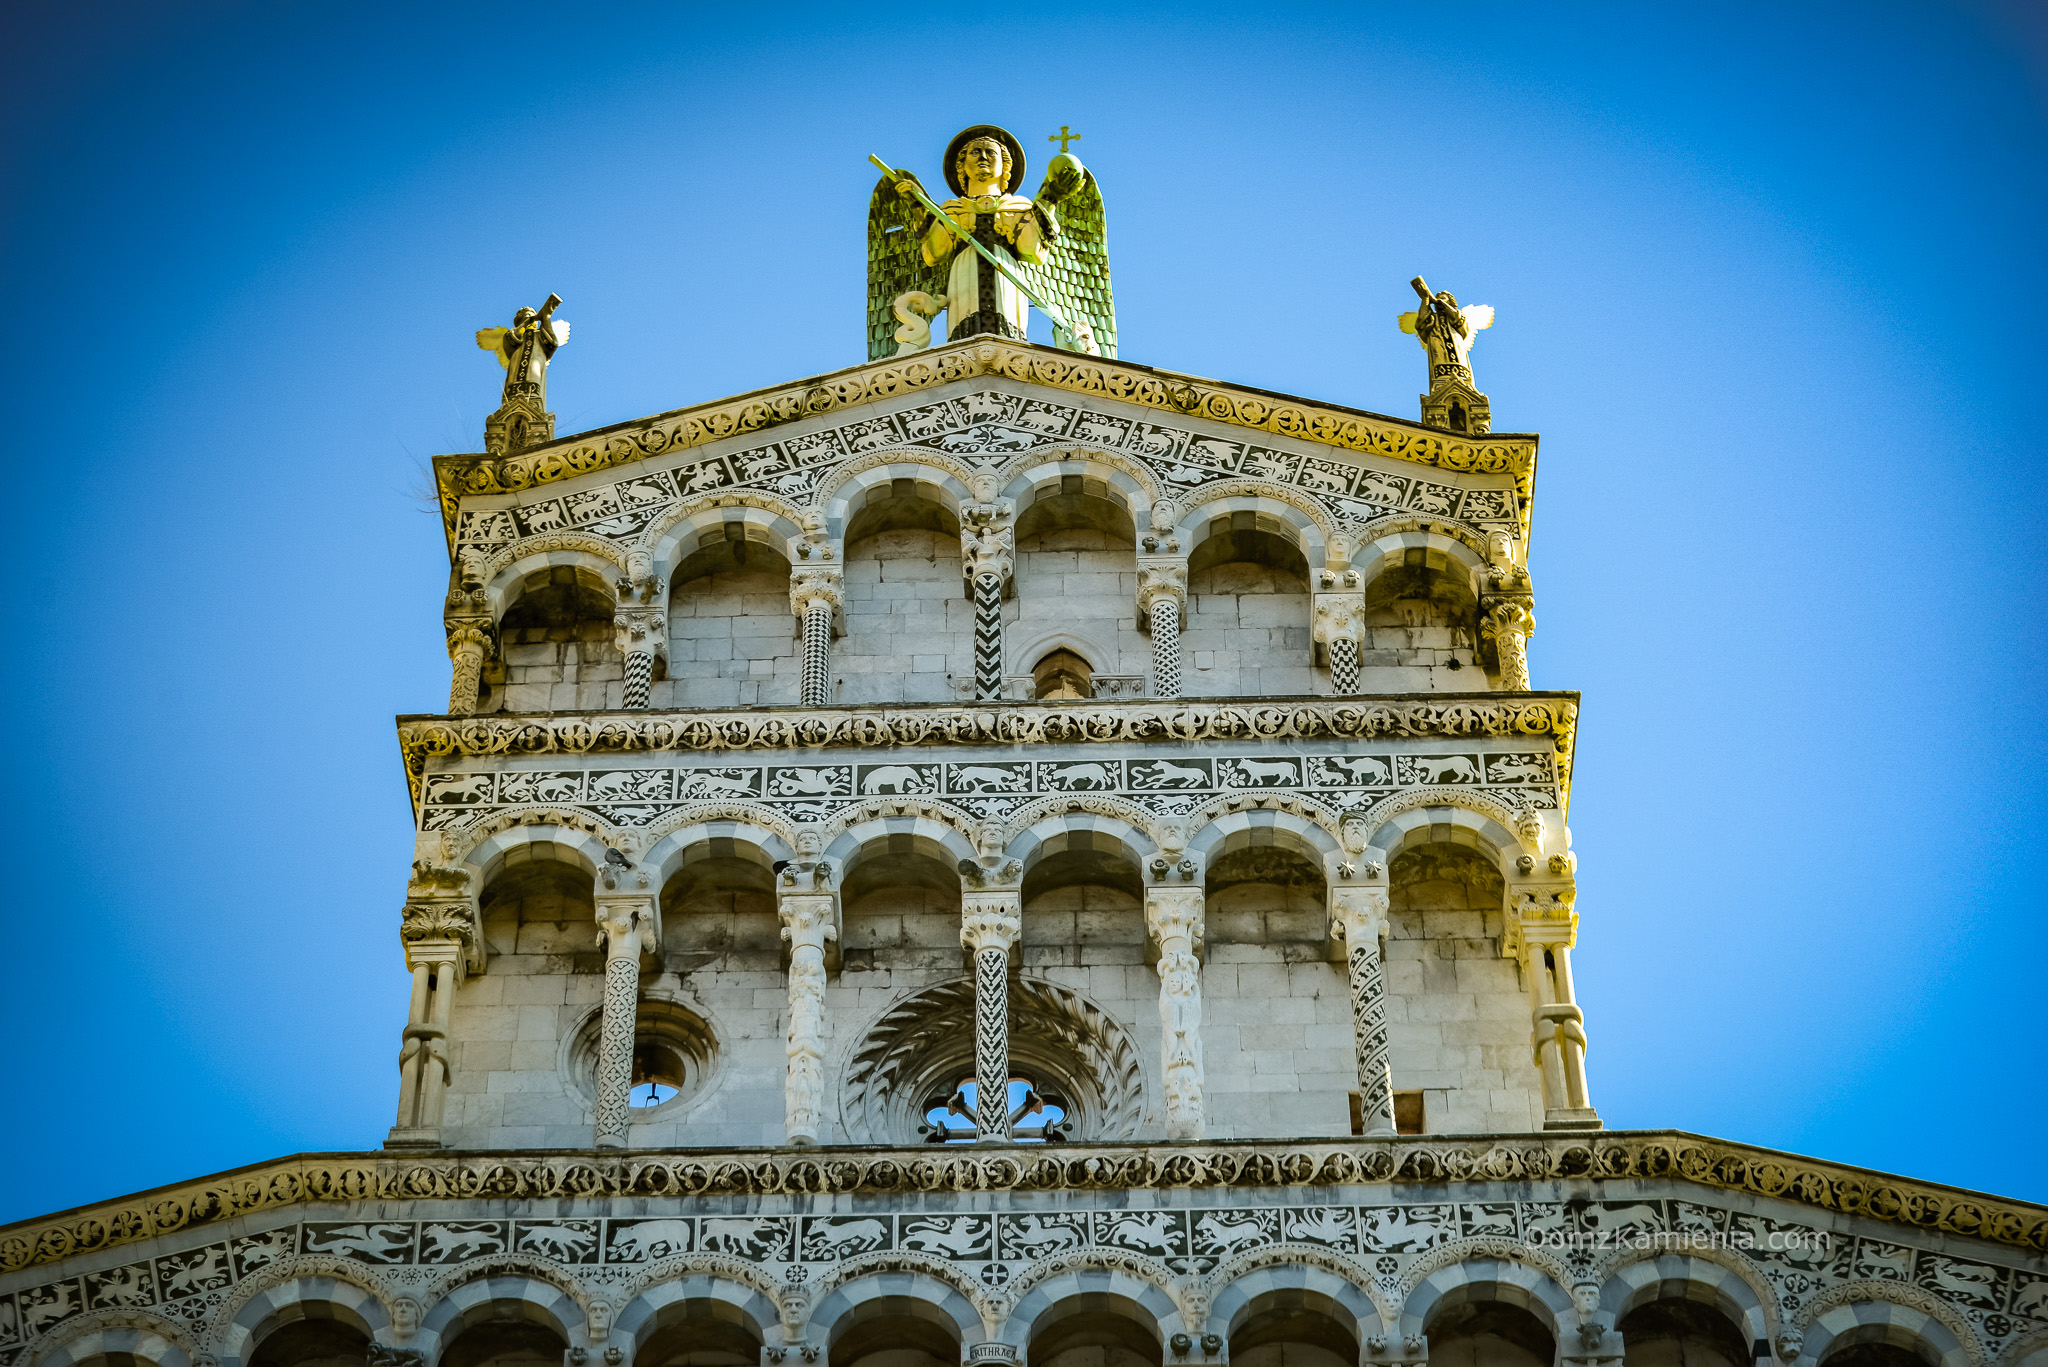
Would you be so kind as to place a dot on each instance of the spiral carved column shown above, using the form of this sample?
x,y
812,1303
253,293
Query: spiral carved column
x,y
1509,624
1360,916
990,925
469,645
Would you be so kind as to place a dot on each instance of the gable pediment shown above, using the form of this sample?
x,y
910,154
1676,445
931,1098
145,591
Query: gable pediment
x,y
981,406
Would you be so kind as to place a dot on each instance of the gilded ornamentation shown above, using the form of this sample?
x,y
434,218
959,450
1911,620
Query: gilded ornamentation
x,y
1446,333
524,350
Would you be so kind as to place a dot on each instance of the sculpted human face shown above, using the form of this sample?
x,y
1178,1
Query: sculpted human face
x,y
982,162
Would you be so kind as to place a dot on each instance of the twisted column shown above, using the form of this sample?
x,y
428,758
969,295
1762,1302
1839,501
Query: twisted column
x,y
815,596
1360,916
438,931
628,925
987,554
1162,594
1509,624
1542,927
1173,916
639,635
808,921
469,645
1338,625
990,924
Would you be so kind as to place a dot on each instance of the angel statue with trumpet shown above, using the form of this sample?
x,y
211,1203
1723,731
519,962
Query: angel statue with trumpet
x,y
1446,333
524,349
988,255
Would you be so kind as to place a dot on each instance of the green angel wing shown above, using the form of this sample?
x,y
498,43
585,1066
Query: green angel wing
x,y
1073,268
895,261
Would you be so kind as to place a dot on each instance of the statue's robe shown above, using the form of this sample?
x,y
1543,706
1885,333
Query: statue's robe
x,y
527,353
1448,341
980,300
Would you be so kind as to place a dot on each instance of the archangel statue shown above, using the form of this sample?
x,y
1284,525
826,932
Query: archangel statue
x,y
1055,244
1446,333
524,349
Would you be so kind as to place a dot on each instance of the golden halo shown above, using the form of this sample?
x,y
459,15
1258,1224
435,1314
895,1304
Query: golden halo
x,y
967,135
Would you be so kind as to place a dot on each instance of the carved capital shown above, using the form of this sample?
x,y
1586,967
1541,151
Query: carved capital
x,y
1508,615
988,540
1540,915
628,924
990,920
807,586
470,639
641,631
1358,914
1173,916
808,919
1161,577
1338,617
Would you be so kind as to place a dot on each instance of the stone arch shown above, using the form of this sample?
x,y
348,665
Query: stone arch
x,y
945,1278
685,837
1059,830
1240,1287
597,564
500,1288
932,830
1883,1312
1476,1279
464,840
653,1308
1223,830
1026,649
1123,1291
1132,485
1722,1281
910,1292
1420,815
1308,524
507,567
670,538
149,1341
531,844
1385,539
945,481
299,1289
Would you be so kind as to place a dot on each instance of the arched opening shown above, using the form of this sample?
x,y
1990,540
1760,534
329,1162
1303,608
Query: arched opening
x,y
538,908
1675,1332
1269,989
1489,1334
899,910
731,639
908,619
555,645
1097,1329
896,1331
1294,1328
1248,611
1062,675
1446,919
700,1337
505,1342
1879,1350
1077,568
718,915
1421,625
1083,904
312,1342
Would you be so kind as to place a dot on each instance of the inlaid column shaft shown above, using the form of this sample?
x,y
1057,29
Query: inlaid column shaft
x,y
1338,625
988,543
990,925
815,595
1162,594
1360,916
638,636
1343,666
807,923
626,929
1173,916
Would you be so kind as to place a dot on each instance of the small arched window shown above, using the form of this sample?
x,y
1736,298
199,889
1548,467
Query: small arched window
x,y
1062,674
1035,1117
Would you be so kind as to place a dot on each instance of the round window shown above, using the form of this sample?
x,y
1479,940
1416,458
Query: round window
x,y
674,1055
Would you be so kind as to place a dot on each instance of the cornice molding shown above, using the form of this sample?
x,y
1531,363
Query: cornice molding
x,y
1139,721
1188,396
1668,1155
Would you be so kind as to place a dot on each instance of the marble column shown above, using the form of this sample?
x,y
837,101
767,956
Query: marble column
x,y
990,924
628,926
987,555
1338,625
809,919
469,645
1173,916
640,635
1162,597
1509,624
815,596
1360,916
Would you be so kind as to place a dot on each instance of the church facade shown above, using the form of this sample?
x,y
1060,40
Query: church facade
x,y
1000,855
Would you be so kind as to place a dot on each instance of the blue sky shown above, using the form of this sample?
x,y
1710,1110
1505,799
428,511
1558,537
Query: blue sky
x,y
1769,283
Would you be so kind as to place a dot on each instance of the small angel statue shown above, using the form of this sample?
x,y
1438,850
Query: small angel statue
x,y
525,349
1446,331
1055,243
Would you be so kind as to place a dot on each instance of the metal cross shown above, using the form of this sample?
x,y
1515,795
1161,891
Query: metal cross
x,y
1063,137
